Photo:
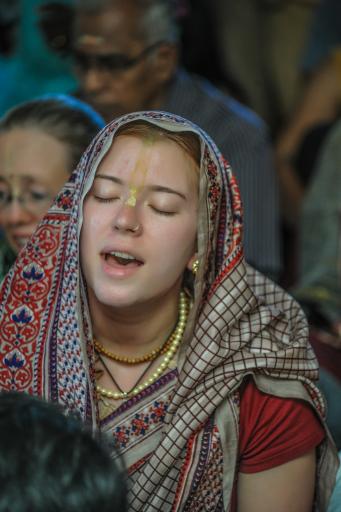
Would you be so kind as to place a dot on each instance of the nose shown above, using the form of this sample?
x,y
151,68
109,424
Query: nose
x,y
92,80
127,220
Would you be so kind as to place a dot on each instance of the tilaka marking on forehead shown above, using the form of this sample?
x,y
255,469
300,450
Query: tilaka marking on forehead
x,y
141,168
131,201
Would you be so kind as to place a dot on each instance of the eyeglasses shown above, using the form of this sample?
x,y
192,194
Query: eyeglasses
x,y
110,62
32,200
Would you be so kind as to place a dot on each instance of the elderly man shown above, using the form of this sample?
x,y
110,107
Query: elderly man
x,y
126,53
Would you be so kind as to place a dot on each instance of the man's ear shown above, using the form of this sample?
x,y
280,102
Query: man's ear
x,y
165,62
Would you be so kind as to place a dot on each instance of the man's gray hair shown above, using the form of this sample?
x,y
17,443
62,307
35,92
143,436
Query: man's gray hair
x,y
156,19
158,22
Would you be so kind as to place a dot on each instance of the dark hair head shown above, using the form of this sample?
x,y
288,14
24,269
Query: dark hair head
x,y
50,462
67,119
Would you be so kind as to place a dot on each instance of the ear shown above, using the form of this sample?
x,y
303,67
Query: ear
x,y
191,261
165,62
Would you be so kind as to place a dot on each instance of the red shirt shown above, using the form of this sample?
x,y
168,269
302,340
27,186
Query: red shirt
x,y
274,430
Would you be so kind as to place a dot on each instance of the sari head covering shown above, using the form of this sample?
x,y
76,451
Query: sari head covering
x,y
240,324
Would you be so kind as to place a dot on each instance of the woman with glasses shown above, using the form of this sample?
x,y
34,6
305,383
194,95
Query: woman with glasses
x,y
41,142
132,305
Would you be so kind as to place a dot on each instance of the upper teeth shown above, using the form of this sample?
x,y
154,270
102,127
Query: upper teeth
x,y
122,255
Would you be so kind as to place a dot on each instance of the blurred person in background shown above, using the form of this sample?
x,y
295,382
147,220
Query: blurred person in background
x,y
316,108
319,284
261,44
51,462
126,56
29,67
41,142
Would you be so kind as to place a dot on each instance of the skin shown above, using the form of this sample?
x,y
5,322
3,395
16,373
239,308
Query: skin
x,y
35,162
134,309
283,488
138,175
114,29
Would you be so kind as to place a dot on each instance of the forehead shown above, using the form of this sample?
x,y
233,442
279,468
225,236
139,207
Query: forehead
x,y
110,28
31,152
133,158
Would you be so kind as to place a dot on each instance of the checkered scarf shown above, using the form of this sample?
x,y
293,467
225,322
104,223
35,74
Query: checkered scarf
x,y
240,323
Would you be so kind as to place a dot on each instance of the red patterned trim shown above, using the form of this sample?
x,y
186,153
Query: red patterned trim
x,y
225,272
184,471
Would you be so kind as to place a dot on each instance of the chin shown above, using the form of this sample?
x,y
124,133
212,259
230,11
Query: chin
x,y
114,299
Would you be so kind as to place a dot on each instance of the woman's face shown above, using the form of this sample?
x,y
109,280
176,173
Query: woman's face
x,y
140,222
33,167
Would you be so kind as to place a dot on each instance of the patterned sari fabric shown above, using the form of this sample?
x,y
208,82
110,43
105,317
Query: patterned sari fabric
x,y
178,436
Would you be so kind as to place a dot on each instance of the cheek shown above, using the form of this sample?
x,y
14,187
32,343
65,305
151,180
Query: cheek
x,y
93,215
178,240
118,88
8,218
2,218
94,223
91,225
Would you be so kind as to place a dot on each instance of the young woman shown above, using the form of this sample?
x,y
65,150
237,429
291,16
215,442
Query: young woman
x,y
132,305
41,142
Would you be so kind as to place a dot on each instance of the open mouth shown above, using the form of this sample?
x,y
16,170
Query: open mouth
x,y
115,258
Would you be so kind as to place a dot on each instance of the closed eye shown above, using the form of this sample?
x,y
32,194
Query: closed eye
x,y
162,212
38,196
105,199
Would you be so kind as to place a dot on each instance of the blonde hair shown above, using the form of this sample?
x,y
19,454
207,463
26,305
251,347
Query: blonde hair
x,y
187,140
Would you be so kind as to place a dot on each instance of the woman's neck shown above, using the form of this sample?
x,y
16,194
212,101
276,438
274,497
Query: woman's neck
x,y
135,330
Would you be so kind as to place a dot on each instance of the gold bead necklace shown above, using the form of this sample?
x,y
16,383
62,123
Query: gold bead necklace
x,y
162,349
176,339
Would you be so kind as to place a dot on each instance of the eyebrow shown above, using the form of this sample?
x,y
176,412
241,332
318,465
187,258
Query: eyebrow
x,y
110,178
153,188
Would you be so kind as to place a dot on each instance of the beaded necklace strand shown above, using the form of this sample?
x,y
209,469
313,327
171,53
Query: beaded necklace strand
x,y
150,356
176,338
